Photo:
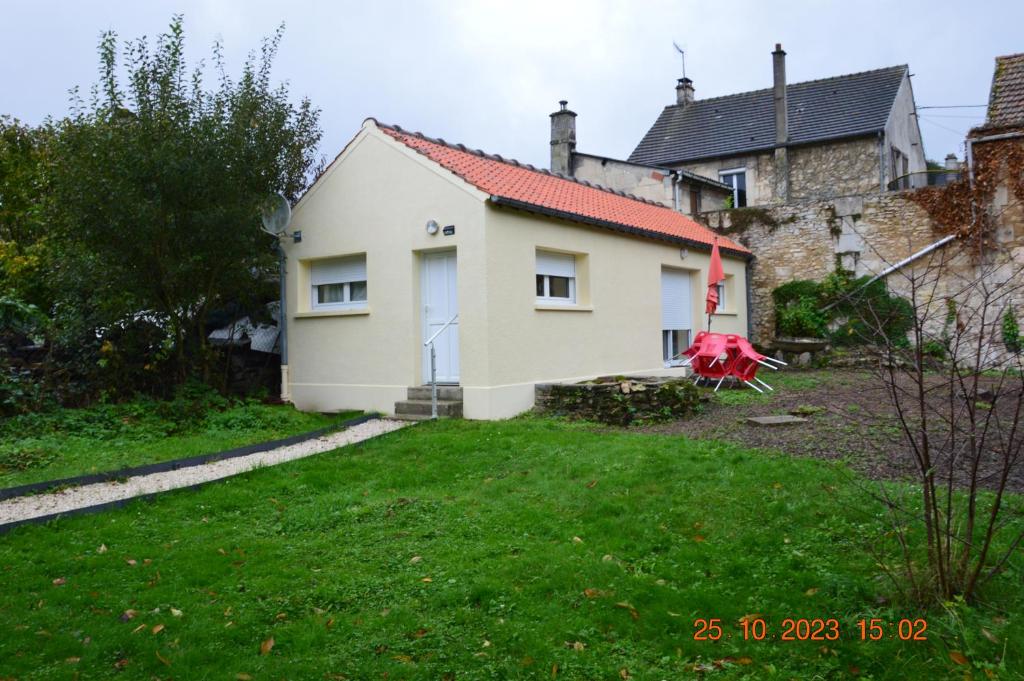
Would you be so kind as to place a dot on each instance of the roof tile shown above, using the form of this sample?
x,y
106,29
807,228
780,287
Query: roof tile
x,y
511,181
842,106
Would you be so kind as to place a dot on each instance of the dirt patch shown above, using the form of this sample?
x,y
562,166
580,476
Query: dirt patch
x,y
849,417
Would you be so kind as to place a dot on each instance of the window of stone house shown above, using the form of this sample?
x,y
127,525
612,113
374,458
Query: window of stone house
x,y
737,180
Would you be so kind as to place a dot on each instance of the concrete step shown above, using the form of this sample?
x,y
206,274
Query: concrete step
x,y
444,392
410,417
450,408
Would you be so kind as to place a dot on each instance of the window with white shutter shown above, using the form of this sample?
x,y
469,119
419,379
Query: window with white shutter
x,y
338,283
556,278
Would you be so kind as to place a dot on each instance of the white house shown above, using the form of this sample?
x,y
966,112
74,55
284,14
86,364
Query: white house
x,y
540,277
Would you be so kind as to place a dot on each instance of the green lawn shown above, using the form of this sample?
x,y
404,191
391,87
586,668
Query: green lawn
x,y
522,549
69,442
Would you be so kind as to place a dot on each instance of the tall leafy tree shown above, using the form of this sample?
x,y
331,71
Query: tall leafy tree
x,y
160,179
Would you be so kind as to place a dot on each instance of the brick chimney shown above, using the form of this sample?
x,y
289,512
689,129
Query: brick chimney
x,y
781,124
563,139
684,91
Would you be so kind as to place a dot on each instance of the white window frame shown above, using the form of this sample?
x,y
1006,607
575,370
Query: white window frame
x,y
545,298
346,281
722,300
734,189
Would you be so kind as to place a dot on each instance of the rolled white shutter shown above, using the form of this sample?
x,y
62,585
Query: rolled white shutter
x,y
338,270
556,264
675,300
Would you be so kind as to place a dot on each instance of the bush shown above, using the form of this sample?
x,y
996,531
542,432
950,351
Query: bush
x,y
845,310
1011,333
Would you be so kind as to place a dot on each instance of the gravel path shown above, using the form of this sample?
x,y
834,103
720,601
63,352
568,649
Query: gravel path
x,y
23,508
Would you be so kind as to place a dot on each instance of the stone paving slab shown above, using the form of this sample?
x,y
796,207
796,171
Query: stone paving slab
x,y
775,420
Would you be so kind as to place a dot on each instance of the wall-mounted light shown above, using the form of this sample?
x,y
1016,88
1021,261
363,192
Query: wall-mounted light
x,y
432,227
683,252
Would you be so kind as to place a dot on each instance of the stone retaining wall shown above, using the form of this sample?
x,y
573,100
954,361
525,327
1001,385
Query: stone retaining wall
x,y
619,400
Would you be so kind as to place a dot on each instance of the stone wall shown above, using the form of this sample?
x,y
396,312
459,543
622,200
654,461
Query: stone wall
x,y
865,234
835,169
619,400
644,181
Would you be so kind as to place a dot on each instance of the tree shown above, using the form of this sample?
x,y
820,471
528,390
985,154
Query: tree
x,y
160,182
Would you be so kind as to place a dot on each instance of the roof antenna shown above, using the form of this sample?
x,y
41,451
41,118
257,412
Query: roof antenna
x,y
682,55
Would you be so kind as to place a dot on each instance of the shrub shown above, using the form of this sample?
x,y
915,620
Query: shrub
x,y
1011,333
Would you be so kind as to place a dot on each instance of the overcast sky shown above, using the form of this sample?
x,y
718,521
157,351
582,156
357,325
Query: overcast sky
x,y
487,74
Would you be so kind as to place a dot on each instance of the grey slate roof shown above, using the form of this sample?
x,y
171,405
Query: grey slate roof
x,y
1006,98
842,106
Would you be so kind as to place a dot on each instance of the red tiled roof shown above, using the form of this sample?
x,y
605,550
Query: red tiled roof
x,y
509,182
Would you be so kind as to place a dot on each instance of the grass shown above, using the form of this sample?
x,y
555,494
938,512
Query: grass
x,y
68,442
522,549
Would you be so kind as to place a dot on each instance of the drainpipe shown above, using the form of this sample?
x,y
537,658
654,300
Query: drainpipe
x,y
881,161
676,203
282,323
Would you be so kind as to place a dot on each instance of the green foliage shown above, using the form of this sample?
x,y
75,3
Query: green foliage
x,y
448,549
1011,333
848,311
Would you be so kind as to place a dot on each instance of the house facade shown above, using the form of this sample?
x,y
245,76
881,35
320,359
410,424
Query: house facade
x,y
520,276
839,136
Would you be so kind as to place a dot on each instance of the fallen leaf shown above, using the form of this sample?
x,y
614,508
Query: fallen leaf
x,y
427,579
121,664
750,618
139,628
593,593
227,612
592,484
624,674
158,628
607,558
777,485
957,657
330,623
132,562
698,538
632,611
810,592
415,559
73,660
744,660
578,646
486,644
222,552
241,676
405,659
554,670
577,540
989,635
147,561
420,633
854,670
176,612
266,646
60,581
163,659
281,616
102,548
673,614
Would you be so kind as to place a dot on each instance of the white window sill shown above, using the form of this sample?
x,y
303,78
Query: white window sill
x,y
349,312
724,314
556,307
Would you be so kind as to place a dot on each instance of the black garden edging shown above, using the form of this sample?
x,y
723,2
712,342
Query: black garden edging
x,y
176,464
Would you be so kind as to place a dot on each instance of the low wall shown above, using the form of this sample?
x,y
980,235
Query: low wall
x,y
619,400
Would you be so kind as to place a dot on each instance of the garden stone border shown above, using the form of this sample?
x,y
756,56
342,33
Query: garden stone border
x,y
175,464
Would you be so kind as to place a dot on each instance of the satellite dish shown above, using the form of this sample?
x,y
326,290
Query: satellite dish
x,y
275,213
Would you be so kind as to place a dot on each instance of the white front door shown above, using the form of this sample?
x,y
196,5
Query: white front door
x,y
440,303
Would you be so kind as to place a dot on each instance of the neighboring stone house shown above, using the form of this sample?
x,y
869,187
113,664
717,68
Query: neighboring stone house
x,y
897,232
850,134
678,189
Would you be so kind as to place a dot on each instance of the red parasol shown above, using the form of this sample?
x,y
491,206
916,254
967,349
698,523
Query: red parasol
x,y
715,275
